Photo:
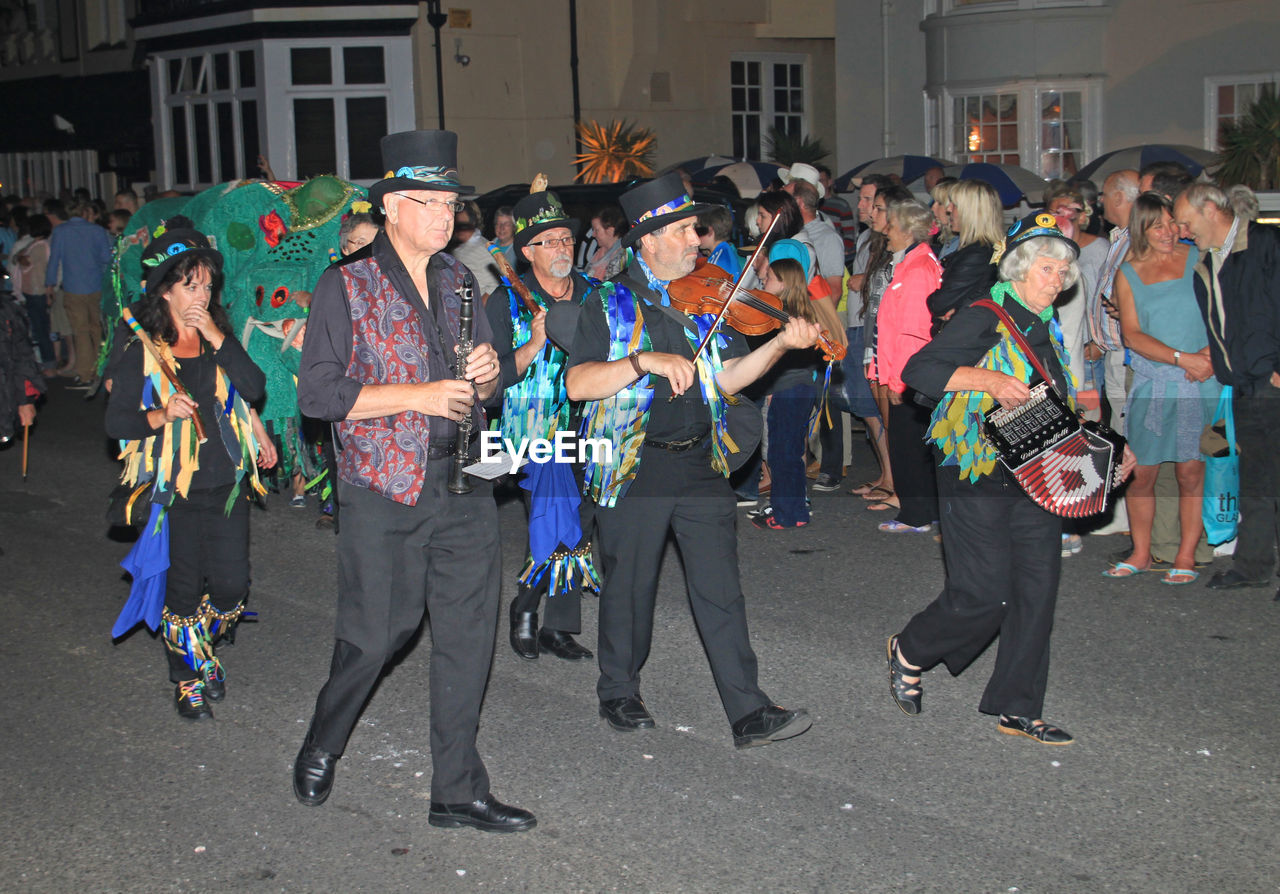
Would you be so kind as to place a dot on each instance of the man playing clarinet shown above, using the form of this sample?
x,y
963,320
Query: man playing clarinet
x,y
380,360
632,361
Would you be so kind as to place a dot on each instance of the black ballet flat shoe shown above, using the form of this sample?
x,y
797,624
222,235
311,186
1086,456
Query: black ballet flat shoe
x,y
562,645
1034,728
189,699
524,633
770,724
626,714
488,815
313,775
906,696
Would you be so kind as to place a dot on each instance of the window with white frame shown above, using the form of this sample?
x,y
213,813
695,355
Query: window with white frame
x,y
767,90
1227,100
209,123
1050,128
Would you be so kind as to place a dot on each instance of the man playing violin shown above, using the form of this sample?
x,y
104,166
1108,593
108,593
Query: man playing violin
x,y
666,416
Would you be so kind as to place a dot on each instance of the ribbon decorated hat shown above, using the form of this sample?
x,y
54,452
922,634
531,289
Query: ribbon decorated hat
x,y
541,211
419,159
1033,226
655,204
173,240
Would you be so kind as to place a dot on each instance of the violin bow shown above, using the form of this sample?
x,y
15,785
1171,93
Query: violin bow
x,y
737,286
169,374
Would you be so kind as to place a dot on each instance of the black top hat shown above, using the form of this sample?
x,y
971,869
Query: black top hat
x,y
1040,223
655,204
174,239
419,159
540,211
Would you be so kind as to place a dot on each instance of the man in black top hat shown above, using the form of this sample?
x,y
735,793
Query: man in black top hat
x,y
535,407
380,361
632,361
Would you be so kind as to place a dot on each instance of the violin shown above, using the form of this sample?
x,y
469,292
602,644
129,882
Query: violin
x,y
711,290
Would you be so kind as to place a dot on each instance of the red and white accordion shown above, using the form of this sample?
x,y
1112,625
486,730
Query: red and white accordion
x,y
1065,464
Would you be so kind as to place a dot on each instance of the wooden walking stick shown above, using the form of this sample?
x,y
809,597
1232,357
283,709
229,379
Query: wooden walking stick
x,y
26,431
164,368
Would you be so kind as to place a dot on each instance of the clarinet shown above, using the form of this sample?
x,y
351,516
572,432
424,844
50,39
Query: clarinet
x,y
458,482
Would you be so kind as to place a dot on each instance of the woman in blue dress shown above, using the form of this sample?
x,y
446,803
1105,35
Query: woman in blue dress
x,y
1174,393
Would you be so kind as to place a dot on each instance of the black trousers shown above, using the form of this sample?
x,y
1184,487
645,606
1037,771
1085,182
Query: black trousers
x,y
394,561
1257,420
563,612
1003,555
912,461
677,492
208,553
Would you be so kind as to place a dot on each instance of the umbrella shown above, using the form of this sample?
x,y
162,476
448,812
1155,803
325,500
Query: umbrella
x,y
693,165
148,564
1135,158
1011,181
907,167
750,177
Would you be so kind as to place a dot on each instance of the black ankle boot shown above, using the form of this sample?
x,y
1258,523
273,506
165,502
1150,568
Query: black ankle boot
x,y
524,633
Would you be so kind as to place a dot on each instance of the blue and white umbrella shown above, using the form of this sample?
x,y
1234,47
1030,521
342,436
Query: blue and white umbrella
x,y
1011,181
906,167
691,166
1135,158
750,177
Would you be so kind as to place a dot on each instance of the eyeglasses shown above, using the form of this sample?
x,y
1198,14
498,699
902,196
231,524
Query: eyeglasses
x,y
435,204
563,241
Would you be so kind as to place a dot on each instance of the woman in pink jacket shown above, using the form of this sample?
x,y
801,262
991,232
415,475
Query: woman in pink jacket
x,y
901,329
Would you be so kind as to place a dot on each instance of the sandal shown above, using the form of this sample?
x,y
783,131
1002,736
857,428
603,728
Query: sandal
x,y
897,527
1124,569
906,695
871,494
1188,575
882,506
1037,729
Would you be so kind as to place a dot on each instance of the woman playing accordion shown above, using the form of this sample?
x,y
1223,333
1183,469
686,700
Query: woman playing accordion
x,y
1002,550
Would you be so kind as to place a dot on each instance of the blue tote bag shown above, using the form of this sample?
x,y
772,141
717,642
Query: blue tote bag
x,y
1221,508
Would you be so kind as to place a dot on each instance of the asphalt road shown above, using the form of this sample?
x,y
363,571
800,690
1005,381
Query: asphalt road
x,y
1171,693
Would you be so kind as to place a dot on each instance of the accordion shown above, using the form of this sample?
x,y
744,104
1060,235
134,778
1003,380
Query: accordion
x,y
1066,465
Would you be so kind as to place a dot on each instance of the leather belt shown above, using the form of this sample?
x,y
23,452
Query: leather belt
x,y
676,446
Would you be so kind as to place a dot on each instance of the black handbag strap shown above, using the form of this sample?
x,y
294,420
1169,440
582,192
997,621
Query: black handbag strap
x,y
1018,337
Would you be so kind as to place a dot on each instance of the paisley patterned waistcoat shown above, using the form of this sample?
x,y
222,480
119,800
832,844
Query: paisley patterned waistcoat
x,y
387,454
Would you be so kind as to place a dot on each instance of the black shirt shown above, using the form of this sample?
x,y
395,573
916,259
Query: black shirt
x,y
324,389
198,374
669,420
498,309
966,340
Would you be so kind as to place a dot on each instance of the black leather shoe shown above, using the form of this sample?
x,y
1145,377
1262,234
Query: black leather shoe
x,y
906,695
1232,579
524,633
215,686
313,775
769,724
626,714
1034,728
562,645
488,815
189,699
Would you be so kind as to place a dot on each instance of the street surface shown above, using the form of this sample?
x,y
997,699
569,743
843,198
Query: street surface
x,y
1171,693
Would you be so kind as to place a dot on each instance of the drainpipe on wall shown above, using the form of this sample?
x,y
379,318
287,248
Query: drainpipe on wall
x,y
573,69
436,19
886,135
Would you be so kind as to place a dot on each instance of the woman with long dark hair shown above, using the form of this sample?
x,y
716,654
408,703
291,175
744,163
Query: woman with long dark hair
x,y
197,490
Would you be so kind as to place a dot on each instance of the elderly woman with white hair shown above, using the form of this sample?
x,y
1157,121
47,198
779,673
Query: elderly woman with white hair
x,y
1003,551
